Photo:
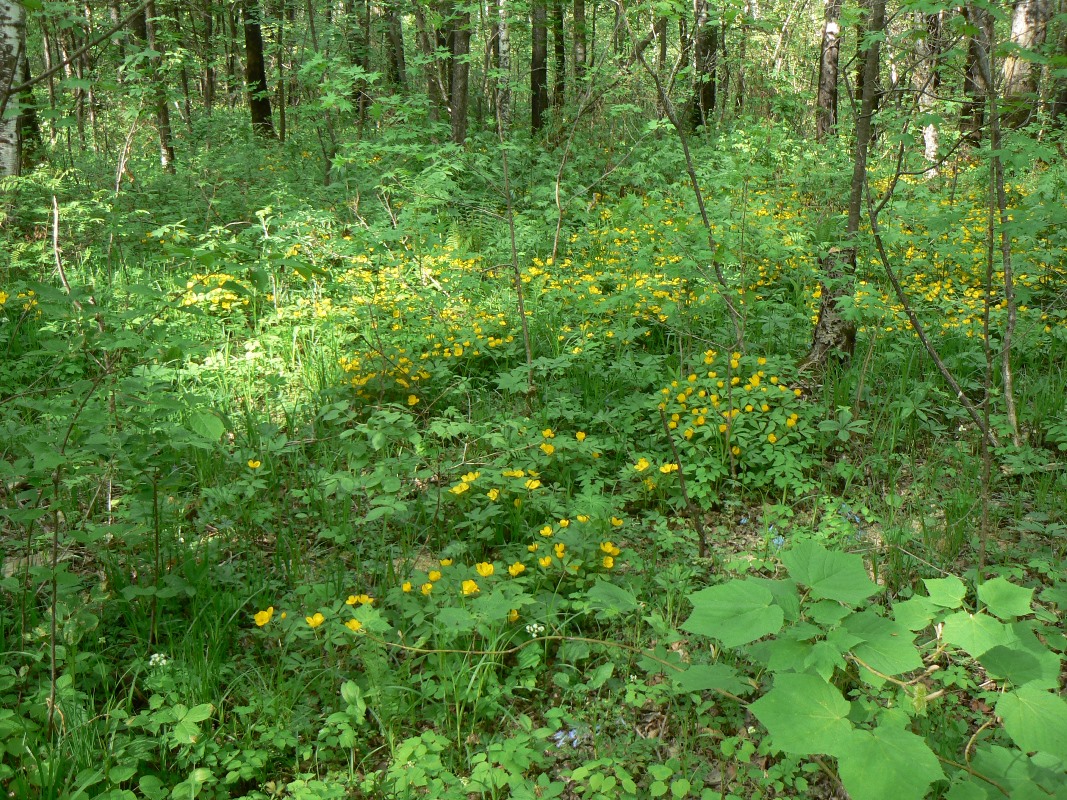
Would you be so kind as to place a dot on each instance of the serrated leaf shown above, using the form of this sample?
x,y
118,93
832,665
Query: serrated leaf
x,y
887,764
887,646
804,715
1035,720
1004,599
829,574
946,592
735,613
976,633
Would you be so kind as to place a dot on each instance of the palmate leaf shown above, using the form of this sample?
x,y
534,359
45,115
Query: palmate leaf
x,y
1004,599
829,574
804,715
887,764
1036,720
976,633
887,646
946,592
735,613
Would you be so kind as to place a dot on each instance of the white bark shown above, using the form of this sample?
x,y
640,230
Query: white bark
x,y
503,86
12,54
1029,23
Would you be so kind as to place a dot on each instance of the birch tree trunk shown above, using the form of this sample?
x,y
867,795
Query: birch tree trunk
x,y
1029,26
12,54
503,81
829,55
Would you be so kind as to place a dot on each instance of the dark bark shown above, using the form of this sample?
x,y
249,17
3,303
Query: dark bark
x,y
559,46
460,73
834,333
972,114
826,102
394,34
538,66
705,54
158,91
255,71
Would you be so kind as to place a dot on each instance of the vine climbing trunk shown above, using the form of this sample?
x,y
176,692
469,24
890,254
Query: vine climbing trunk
x,y
834,331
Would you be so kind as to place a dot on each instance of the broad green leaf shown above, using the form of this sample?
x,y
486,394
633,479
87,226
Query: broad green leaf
x,y
1004,599
887,646
1035,720
207,425
887,764
735,613
611,599
710,677
829,574
915,614
198,713
946,592
804,715
976,633
1025,661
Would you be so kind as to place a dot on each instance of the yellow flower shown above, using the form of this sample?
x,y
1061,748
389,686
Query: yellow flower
x,y
3,298
253,464
470,477
533,484
546,531
354,625
405,587
533,547
351,601
642,464
263,617
434,575
548,434
546,561
412,400
457,351
558,549
513,473
516,569
735,450
666,469
582,518
315,620
772,438
484,568
610,548
580,436
469,588
426,588
564,523
616,522
547,448
493,494
445,562
460,488
608,562
513,615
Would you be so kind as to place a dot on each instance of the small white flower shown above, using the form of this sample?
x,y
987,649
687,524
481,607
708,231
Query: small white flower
x,y
158,660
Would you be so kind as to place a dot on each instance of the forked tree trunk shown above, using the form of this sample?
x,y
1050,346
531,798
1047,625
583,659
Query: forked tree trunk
x,y
12,55
538,65
255,71
834,332
829,55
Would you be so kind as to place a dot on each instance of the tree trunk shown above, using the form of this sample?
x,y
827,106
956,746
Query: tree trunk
x,y
833,331
578,31
826,103
394,34
208,76
1029,26
705,47
503,81
927,78
559,46
158,90
538,66
972,113
255,71
12,56
461,41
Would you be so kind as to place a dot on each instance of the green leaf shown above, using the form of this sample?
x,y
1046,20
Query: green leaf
x,y
887,764
207,425
829,574
804,715
1035,720
611,600
946,592
1026,661
735,613
198,713
711,677
976,633
1004,599
915,614
887,647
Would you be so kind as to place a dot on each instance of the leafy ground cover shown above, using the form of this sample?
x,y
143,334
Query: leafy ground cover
x,y
298,503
